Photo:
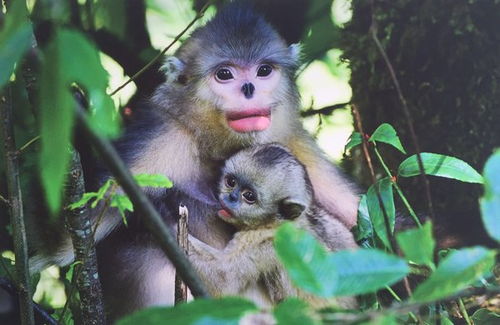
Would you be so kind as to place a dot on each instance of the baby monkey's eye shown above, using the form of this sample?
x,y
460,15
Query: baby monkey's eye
x,y
249,196
223,74
230,181
264,70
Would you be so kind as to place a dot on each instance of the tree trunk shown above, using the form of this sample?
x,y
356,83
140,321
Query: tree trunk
x,y
446,57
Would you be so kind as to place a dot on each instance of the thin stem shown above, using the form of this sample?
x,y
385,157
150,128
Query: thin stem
x,y
159,55
406,111
16,210
463,310
4,200
396,186
151,217
398,299
27,144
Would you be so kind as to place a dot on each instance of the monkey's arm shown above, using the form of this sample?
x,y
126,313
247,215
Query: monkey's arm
x,y
246,257
331,189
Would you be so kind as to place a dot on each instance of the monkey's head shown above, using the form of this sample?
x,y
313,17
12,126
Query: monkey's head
x,y
263,185
239,73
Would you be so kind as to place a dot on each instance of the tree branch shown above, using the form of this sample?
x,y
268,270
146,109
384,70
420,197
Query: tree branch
x,y
152,219
80,228
406,111
324,111
16,210
156,58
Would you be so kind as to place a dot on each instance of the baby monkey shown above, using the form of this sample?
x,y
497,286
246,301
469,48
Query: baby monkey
x,y
261,188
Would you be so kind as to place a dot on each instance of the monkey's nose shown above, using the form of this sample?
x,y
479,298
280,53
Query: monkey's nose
x,y
247,89
233,197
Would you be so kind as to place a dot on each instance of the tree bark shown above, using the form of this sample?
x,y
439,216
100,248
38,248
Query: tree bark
x,y
445,56
16,211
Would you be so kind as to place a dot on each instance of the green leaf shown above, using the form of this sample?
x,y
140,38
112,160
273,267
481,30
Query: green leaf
x,y
440,165
342,273
485,317
490,202
354,140
366,270
102,191
69,58
423,252
375,210
293,311
84,200
200,311
15,39
123,204
386,133
56,115
153,180
455,272
364,228
305,260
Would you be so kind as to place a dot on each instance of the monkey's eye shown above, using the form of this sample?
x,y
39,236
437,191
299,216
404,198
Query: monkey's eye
x,y
223,74
249,196
230,181
264,70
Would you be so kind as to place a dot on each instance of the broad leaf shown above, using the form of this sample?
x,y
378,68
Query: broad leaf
x,y
418,244
440,165
366,270
485,317
294,312
342,273
86,197
15,38
375,210
363,230
386,133
455,272
153,180
305,260
69,58
354,140
123,204
214,311
490,202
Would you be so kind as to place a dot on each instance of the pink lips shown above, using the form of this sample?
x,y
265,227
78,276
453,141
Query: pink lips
x,y
249,120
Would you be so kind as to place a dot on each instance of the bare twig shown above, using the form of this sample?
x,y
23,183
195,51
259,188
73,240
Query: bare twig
x,y
16,210
80,228
152,219
406,111
359,126
27,144
182,241
324,111
157,57
4,200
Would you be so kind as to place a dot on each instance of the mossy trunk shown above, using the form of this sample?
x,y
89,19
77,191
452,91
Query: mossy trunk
x,y
446,55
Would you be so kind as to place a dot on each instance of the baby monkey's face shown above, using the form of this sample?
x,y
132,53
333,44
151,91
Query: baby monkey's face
x,y
243,204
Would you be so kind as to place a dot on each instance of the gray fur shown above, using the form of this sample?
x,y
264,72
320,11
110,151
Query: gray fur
x,y
249,257
185,136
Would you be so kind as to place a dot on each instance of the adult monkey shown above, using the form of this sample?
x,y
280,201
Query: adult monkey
x,y
230,86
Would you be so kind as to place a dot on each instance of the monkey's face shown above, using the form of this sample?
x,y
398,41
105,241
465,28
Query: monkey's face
x,y
263,186
243,205
246,94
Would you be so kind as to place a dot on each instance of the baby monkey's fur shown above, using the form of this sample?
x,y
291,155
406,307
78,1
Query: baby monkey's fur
x,y
261,188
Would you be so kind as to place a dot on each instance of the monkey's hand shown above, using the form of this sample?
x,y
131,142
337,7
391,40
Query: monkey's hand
x,y
246,257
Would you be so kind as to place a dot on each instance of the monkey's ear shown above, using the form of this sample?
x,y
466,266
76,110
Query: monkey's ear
x,y
173,69
295,52
290,209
